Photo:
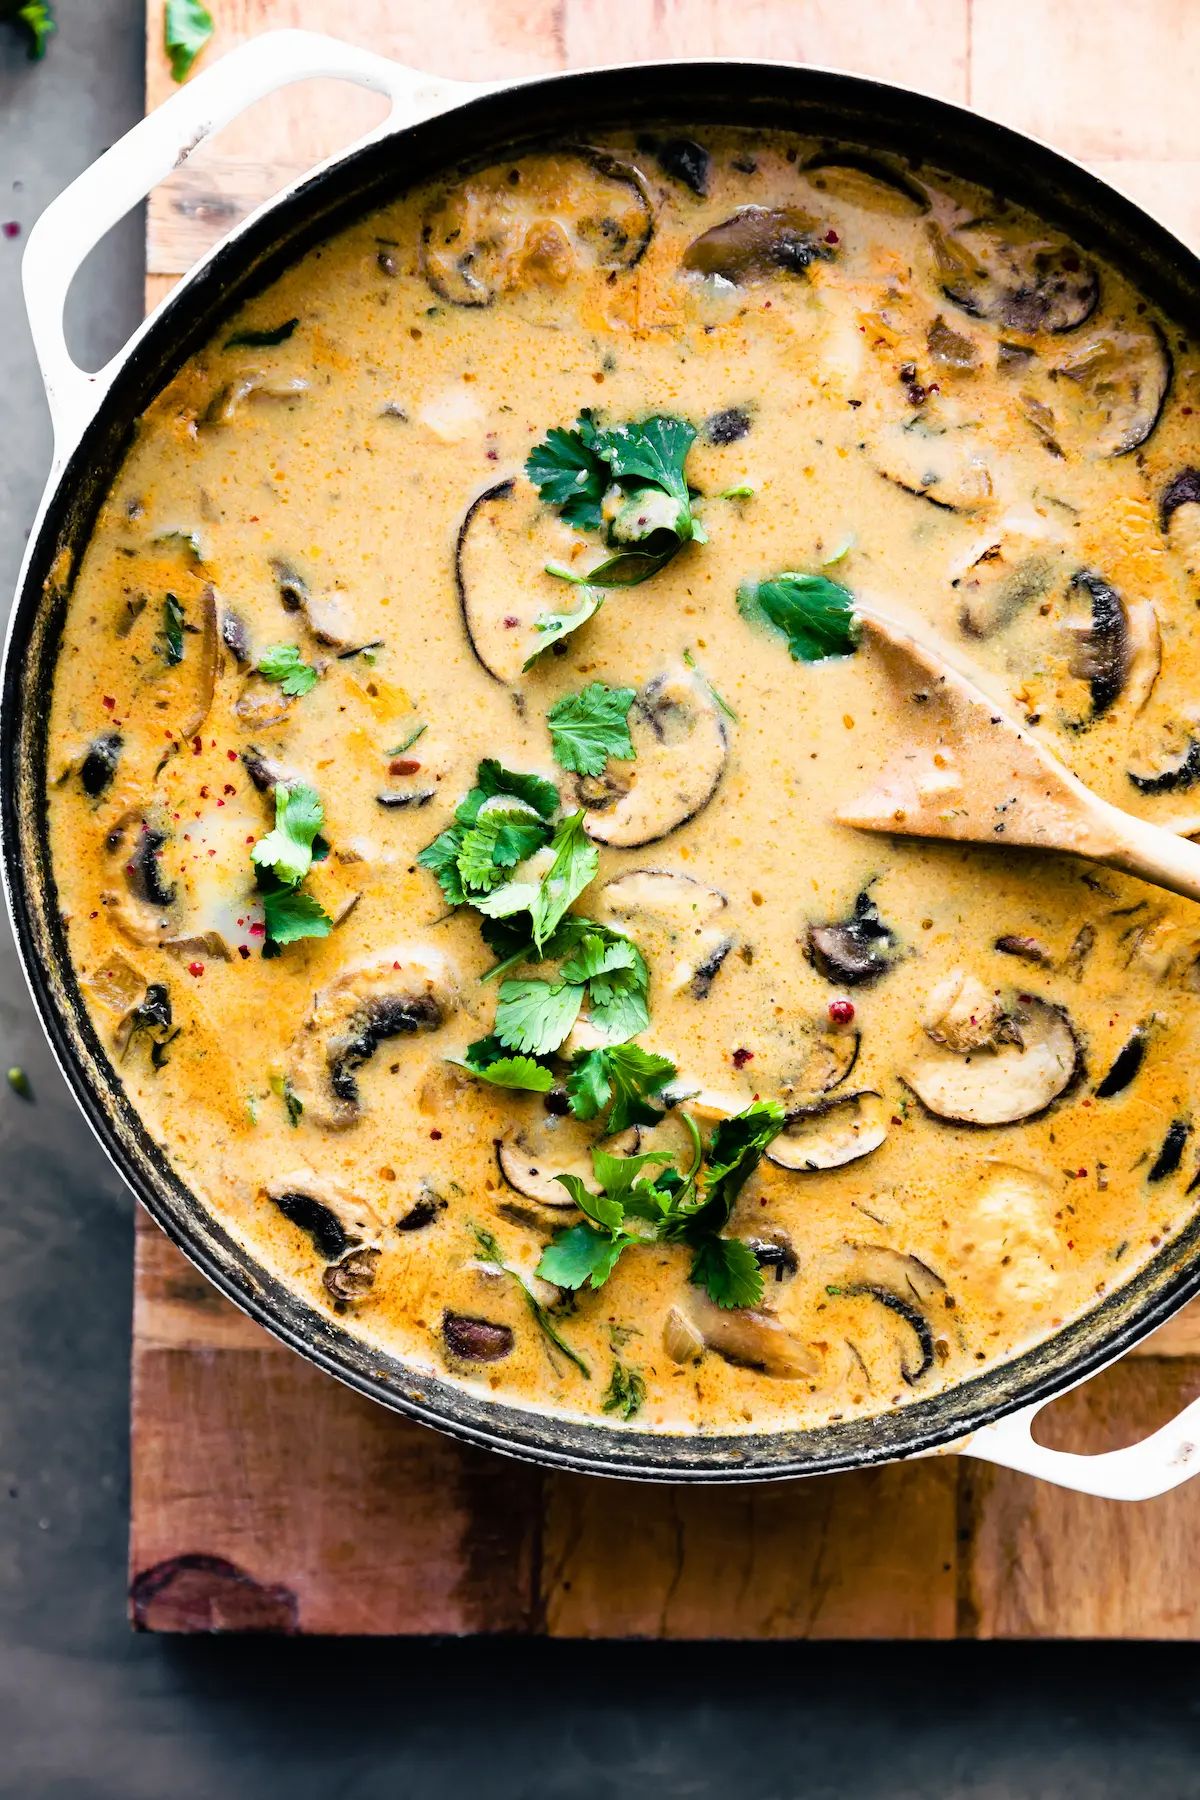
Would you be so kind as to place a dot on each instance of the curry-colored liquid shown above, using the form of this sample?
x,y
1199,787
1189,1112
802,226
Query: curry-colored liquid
x,y
351,461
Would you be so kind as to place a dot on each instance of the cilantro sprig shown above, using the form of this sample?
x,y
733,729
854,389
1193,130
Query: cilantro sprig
x,y
588,727
187,27
620,1079
635,1207
282,860
37,18
815,615
627,481
283,663
491,1253
598,967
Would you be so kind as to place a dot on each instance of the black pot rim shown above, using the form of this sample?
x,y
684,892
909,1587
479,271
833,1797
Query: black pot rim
x,y
914,129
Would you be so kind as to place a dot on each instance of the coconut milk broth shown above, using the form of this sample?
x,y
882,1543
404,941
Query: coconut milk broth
x,y
374,425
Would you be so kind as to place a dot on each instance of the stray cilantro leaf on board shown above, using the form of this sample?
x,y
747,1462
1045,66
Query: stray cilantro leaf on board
x,y
283,663
37,18
254,339
589,727
187,27
816,615
625,480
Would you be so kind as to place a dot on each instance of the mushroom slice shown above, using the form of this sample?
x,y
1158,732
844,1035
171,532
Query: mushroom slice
x,y
1029,284
750,1338
1179,514
471,1339
1143,653
829,1060
324,615
757,243
1126,1063
1177,772
1100,651
495,604
1111,389
229,400
1001,578
99,764
334,1220
868,182
143,902
1029,1057
830,1133
673,914
902,1283
910,1371
1170,1154
941,465
682,159
534,223
532,1158
407,990
352,1277
680,749
853,951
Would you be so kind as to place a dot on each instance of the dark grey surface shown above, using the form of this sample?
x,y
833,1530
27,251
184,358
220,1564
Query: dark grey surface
x,y
88,1710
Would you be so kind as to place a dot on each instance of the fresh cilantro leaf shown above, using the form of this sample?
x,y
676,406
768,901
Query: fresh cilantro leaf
x,y
601,1208
555,626
289,914
488,1059
625,1393
576,860
491,1252
288,850
728,1271
816,615
623,1074
284,664
581,1256
569,474
492,779
172,630
589,727
734,1152
653,451
535,1016
503,902
497,841
37,18
409,741
187,27
252,339
598,955
441,859
627,568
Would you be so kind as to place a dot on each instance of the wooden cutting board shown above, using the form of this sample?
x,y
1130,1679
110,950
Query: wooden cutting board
x,y
267,1497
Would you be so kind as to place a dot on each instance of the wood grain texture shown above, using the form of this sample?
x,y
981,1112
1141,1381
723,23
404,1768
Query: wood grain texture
x,y
266,1497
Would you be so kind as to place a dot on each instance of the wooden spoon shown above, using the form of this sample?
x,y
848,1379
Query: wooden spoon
x,y
966,770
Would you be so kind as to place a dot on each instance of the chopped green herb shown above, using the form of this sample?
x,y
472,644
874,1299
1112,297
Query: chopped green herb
x,y
292,1103
251,338
288,850
589,727
172,630
556,626
283,663
627,480
490,1252
626,1391
576,860
409,741
187,541
187,27
488,1059
37,18
290,914
816,615
620,1075
535,1016
20,1083
839,555
722,703
743,492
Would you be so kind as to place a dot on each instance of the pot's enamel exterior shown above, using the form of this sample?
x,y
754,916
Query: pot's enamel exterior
x,y
434,124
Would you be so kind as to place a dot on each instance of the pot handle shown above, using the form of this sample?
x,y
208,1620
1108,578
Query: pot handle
x,y
80,216
1164,1460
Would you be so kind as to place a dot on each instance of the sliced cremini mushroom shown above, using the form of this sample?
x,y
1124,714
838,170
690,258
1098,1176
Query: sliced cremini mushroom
x,y
774,1250
1178,771
680,749
1024,284
1000,578
912,1370
1109,390
253,388
496,613
1010,1064
235,635
324,614
333,1219
535,222
531,1157
99,764
681,158
866,181
404,991
142,901
951,350
829,1133
424,1209
1100,648
1179,514
1170,1153
471,1339
758,243
751,1338
352,1277
829,1059
944,465
853,951
1126,1064
673,915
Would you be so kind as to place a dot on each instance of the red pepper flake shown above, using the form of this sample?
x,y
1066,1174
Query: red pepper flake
x,y
404,765
204,791
229,788
742,1057
243,953
258,929
831,237
232,755
109,702
197,746
1080,1174
841,1011
196,969
493,456
510,619
1070,1243
435,1134
11,228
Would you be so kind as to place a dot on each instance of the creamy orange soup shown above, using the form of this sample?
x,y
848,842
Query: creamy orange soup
x,y
344,565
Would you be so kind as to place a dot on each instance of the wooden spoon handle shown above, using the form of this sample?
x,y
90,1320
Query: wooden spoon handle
x,y
1158,856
